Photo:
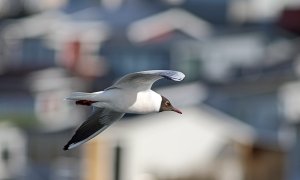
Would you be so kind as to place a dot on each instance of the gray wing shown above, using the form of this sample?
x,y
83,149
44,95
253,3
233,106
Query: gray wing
x,y
95,124
143,80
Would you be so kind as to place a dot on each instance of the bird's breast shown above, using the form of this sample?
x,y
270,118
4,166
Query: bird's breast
x,y
146,102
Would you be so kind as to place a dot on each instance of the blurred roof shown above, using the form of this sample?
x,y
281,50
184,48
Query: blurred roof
x,y
55,26
167,21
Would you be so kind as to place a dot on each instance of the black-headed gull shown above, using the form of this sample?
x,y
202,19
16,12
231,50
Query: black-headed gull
x,y
130,94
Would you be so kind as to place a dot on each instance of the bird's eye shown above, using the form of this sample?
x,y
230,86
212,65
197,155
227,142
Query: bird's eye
x,y
168,103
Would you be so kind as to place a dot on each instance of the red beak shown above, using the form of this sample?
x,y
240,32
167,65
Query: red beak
x,y
176,110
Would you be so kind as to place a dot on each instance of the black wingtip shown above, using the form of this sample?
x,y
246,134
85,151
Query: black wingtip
x,y
66,147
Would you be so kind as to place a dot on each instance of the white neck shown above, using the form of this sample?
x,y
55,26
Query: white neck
x,y
156,100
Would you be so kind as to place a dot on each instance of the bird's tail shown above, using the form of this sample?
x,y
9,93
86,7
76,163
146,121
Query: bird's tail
x,y
82,98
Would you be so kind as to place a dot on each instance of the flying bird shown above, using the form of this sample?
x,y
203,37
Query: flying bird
x,y
130,94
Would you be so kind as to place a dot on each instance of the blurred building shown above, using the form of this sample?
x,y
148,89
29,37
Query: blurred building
x,y
201,144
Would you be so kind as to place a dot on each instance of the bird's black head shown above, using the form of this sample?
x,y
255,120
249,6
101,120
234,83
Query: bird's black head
x,y
167,106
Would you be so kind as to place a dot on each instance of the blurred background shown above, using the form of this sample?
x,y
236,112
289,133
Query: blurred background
x,y
240,99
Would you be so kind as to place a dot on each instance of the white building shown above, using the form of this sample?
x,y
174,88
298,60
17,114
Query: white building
x,y
167,145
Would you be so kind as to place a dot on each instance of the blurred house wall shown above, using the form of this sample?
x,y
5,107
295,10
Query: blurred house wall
x,y
260,162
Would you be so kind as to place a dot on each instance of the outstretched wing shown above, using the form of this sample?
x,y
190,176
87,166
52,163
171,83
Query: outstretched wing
x,y
143,80
95,124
